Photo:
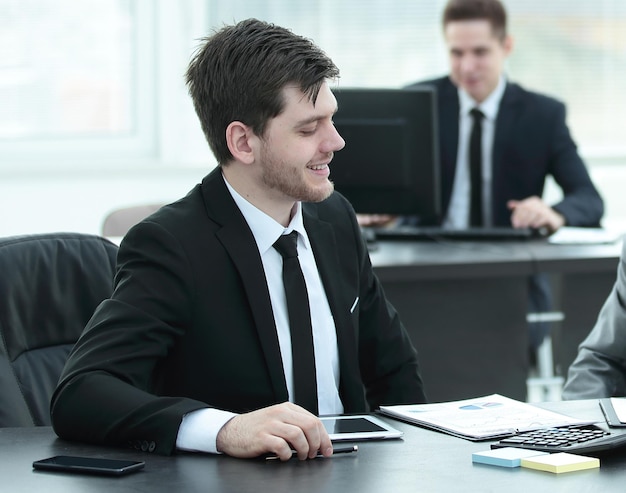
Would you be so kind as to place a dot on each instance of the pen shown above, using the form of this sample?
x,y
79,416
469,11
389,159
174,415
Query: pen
x,y
336,450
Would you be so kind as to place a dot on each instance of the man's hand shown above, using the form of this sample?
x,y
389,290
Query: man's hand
x,y
279,430
375,220
534,213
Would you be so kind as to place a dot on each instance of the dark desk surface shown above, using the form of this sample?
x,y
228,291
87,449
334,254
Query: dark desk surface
x,y
575,258
406,260
422,260
423,461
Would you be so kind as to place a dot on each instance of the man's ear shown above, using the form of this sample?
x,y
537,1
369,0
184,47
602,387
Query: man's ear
x,y
238,139
508,44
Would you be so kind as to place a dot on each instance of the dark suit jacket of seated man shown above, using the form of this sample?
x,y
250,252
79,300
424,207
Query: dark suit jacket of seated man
x,y
190,325
531,141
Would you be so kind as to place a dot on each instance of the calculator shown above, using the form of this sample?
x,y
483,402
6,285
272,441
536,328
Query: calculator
x,y
576,439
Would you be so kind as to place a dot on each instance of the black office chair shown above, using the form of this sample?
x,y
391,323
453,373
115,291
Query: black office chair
x,y
50,285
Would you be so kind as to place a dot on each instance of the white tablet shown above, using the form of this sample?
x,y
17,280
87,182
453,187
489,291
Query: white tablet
x,y
358,427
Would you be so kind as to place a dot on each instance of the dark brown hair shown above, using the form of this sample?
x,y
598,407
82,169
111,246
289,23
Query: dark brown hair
x,y
239,73
489,10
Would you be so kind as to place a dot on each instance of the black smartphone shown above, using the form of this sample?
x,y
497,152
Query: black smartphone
x,y
88,465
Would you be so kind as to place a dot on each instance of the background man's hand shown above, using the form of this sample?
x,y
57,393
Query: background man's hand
x,y
375,220
534,213
279,430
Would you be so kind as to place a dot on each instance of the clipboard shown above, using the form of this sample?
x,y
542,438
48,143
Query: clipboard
x,y
610,415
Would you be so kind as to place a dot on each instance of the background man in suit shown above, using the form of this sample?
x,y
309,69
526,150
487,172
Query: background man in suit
x,y
524,139
599,369
524,134
192,351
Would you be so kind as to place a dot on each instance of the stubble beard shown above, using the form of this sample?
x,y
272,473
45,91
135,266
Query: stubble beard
x,y
290,181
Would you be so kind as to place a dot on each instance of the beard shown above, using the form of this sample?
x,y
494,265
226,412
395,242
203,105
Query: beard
x,y
291,181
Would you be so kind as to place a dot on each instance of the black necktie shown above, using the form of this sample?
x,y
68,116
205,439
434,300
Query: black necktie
x,y
475,159
302,351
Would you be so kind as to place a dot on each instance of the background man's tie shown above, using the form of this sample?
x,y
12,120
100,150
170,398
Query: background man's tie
x,y
475,159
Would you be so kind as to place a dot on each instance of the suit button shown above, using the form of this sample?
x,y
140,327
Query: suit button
x,y
137,445
151,447
144,446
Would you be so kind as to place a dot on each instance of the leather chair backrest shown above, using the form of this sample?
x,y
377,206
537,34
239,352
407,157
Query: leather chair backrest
x,y
50,285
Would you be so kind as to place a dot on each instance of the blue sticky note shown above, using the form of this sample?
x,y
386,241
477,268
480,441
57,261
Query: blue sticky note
x,y
504,457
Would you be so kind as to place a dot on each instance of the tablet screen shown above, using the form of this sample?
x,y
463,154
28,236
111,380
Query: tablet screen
x,y
357,425
361,427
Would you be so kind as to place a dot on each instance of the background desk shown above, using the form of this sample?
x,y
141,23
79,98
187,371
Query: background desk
x,y
465,304
423,461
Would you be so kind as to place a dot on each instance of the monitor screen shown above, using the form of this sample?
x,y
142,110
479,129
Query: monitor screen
x,y
390,164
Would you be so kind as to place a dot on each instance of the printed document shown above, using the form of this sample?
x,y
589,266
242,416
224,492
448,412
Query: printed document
x,y
481,418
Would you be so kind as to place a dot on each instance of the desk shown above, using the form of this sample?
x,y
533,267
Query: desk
x,y
464,305
423,460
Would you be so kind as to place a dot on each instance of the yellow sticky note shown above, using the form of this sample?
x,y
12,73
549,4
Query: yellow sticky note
x,y
561,462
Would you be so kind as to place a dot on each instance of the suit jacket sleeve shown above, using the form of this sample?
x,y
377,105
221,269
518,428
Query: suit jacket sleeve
x,y
581,204
111,368
599,369
188,326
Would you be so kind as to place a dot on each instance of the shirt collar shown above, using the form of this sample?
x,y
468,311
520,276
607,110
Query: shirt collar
x,y
265,229
489,106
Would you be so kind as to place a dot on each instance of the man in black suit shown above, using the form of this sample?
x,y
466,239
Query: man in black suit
x,y
524,134
192,351
524,139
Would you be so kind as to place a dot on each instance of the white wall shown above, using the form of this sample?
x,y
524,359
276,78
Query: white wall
x,y
79,201
611,182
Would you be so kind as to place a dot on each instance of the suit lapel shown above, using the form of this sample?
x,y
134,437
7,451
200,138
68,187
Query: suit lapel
x,y
239,242
327,257
508,113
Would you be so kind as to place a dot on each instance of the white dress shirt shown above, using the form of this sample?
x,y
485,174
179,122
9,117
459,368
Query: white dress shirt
x,y
198,430
457,216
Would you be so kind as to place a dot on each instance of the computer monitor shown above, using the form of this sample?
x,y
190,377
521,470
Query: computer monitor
x,y
390,164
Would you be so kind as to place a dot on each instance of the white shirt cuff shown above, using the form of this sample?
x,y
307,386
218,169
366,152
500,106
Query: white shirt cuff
x,y
198,430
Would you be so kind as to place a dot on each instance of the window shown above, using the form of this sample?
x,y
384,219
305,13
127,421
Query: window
x,y
76,78
104,79
574,51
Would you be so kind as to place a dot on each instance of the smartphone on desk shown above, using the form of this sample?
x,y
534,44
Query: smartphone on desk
x,y
88,465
